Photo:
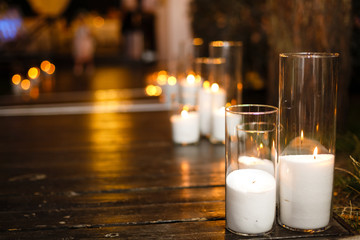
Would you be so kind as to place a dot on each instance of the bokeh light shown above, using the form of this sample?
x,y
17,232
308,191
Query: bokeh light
x,y
33,73
25,84
45,65
16,79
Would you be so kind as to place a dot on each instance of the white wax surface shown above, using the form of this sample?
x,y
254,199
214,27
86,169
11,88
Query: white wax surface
x,y
205,110
218,125
185,130
218,98
189,92
250,201
305,189
171,93
256,163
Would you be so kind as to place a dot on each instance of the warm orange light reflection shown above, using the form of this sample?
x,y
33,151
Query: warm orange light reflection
x,y
45,65
227,104
185,176
34,92
33,73
106,94
239,86
25,84
233,102
16,79
98,21
215,87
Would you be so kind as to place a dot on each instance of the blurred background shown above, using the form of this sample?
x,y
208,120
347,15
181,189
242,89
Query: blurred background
x,y
73,46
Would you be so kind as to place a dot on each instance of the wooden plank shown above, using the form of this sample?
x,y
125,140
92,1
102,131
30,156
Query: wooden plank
x,y
179,230
117,215
197,229
74,200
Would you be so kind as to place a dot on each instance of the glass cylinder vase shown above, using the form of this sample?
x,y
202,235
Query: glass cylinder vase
x,y
211,98
231,52
251,141
307,129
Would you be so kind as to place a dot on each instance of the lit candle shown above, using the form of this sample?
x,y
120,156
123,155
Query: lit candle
x,y
250,201
305,186
185,127
218,96
256,163
189,90
218,125
205,108
170,90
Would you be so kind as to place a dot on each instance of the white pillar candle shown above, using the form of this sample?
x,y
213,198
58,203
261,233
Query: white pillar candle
x,y
171,90
305,186
205,110
185,127
218,96
218,125
250,201
189,90
256,163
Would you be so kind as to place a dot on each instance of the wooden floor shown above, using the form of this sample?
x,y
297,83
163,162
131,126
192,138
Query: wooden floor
x,y
111,173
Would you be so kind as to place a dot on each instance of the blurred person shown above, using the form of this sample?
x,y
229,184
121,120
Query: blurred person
x,y
83,48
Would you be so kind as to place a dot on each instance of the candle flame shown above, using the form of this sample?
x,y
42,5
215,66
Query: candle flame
x,y
172,80
302,135
186,108
206,84
184,113
315,152
215,87
198,79
190,78
261,146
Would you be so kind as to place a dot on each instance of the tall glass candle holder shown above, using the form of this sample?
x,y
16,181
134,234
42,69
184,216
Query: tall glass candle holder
x,y
232,52
251,141
307,117
211,70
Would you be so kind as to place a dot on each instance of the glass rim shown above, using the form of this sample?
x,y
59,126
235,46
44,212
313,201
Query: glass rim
x,y
309,55
226,43
268,109
209,60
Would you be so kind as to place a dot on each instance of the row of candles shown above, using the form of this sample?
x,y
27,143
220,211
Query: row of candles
x,y
198,108
29,84
275,158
